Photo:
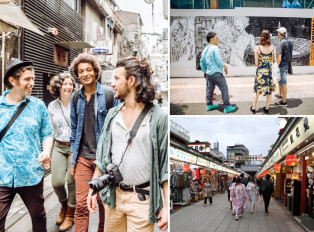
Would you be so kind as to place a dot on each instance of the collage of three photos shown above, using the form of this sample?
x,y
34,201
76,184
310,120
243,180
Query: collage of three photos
x,y
156,115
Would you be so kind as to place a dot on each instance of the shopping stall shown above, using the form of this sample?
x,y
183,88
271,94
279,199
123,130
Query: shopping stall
x,y
291,165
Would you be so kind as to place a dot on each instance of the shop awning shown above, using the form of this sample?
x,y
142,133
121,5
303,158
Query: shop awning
x,y
74,44
14,16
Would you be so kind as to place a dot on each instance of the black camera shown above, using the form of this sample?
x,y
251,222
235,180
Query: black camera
x,y
112,175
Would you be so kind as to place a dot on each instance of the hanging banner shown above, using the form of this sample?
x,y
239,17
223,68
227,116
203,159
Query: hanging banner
x,y
181,155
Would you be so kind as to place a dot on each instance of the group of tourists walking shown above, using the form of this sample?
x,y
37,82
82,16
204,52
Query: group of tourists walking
x,y
86,130
242,190
272,64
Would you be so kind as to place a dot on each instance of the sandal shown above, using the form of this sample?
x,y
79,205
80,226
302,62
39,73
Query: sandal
x,y
253,111
278,96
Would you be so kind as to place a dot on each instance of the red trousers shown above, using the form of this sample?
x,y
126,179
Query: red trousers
x,y
84,172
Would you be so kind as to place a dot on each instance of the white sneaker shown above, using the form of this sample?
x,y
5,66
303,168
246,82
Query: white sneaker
x,y
236,217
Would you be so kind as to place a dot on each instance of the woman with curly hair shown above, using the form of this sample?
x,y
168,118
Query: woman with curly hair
x,y
265,55
62,86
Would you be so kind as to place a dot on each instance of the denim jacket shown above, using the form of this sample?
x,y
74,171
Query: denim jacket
x,y
77,118
158,154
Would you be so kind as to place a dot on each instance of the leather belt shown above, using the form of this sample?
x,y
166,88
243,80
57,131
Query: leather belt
x,y
135,188
63,143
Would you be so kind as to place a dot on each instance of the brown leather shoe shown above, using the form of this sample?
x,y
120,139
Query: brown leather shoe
x,y
69,219
61,216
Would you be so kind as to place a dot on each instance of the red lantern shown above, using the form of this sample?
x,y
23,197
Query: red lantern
x,y
203,172
213,172
277,167
291,160
186,168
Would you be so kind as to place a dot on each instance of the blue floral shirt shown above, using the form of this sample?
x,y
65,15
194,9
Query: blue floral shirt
x,y
20,147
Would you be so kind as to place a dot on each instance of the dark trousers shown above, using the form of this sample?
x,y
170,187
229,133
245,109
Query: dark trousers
x,y
210,200
266,199
33,199
219,80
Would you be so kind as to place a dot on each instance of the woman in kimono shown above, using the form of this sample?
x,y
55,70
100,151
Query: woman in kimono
x,y
232,199
252,190
240,196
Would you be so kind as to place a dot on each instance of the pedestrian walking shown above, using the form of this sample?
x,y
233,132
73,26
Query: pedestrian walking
x,y
284,59
243,179
265,56
62,87
135,204
208,192
266,189
24,127
232,199
222,188
213,66
252,190
89,107
228,183
240,196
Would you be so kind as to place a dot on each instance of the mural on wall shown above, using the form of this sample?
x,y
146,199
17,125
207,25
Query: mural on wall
x,y
238,36
182,38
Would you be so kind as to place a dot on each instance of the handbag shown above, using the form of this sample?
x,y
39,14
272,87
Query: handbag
x,y
14,117
275,73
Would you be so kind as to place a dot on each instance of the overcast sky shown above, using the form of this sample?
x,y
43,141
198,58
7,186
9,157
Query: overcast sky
x,y
256,133
141,7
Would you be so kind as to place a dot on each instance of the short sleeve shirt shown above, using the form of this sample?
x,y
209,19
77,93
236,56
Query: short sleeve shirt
x,y
20,147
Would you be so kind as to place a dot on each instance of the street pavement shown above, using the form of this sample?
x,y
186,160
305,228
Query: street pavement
x,y
218,218
188,96
18,219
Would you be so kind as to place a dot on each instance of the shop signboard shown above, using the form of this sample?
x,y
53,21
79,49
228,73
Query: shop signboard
x,y
102,47
202,162
184,156
300,132
213,165
171,152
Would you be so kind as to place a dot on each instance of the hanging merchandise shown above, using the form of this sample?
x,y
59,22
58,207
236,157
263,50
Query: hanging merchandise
x,y
196,174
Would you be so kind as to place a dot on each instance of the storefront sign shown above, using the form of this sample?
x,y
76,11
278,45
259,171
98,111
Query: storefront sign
x,y
102,47
181,155
202,162
298,135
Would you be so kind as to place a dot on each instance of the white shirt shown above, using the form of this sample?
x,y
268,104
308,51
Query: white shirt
x,y
135,167
61,129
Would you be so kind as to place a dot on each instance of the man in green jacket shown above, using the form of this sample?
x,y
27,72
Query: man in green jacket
x,y
144,165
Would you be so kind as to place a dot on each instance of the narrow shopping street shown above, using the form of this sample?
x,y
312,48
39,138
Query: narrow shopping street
x,y
218,218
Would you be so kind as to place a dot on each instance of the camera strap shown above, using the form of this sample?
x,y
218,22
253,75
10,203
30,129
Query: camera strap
x,y
136,126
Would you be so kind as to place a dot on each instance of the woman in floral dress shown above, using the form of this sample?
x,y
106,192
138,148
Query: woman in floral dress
x,y
265,55
252,190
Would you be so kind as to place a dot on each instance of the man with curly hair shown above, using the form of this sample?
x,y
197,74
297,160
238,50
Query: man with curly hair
x,y
22,161
134,204
88,113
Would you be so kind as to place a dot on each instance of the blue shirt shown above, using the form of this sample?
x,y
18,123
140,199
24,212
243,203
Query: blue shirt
x,y
211,61
20,147
284,64
77,118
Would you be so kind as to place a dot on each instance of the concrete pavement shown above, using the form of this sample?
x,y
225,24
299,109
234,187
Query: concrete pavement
x,y
218,218
188,96
19,220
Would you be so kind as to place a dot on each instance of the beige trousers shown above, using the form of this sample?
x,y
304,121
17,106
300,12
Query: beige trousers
x,y
130,213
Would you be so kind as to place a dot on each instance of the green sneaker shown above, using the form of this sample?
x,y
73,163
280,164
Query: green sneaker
x,y
230,109
211,107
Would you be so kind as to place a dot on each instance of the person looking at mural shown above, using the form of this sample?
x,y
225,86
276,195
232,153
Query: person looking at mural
x,y
265,55
213,66
62,86
284,58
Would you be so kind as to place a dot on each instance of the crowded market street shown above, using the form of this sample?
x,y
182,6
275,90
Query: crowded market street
x,y
218,218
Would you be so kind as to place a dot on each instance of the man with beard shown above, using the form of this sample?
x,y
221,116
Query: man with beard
x,y
135,203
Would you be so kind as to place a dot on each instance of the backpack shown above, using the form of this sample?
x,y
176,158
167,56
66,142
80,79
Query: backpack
x,y
266,187
108,96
